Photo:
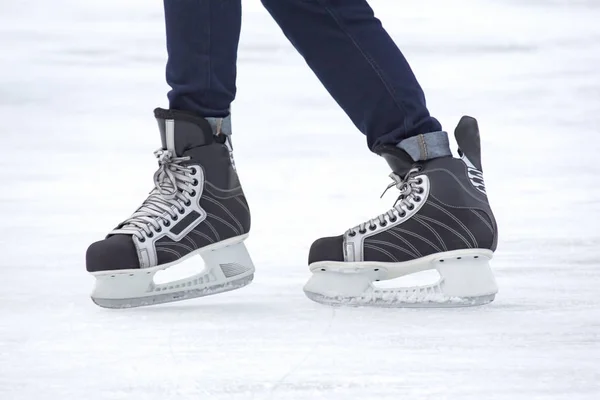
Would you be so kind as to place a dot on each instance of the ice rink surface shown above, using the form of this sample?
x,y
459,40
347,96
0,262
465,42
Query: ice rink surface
x,y
78,82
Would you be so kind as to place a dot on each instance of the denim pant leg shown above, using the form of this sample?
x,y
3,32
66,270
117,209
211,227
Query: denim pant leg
x,y
359,64
202,43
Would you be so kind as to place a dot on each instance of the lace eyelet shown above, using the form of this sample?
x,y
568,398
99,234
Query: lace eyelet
x,y
352,234
410,207
420,191
402,214
419,181
393,219
193,193
187,203
382,224
167,223
372,227
159,229
195,182
151,235
143,239
417,199
362,231
419,168
175,218
182,211
194,171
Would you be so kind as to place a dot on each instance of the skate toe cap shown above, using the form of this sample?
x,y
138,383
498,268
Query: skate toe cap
x,y
327,249
114,253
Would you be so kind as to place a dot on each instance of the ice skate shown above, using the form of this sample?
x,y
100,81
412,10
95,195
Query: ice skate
x,y
441,221
197,208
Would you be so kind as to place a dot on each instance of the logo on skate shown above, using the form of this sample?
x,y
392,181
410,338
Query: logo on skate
x,y
475,175
476,178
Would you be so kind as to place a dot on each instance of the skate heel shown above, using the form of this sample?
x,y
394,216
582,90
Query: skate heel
x,y
230,263
228,266
468,277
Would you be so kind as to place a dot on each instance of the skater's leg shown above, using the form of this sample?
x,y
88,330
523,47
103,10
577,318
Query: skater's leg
x,y
361,67
202,43
197,206
441,219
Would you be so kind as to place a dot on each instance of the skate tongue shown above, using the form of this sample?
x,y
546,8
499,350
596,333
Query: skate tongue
x,y
181,131
398,160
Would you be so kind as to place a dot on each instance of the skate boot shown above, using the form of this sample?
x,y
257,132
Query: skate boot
x,y
441,221
197,208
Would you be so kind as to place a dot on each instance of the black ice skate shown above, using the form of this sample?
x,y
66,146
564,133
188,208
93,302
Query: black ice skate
x,y
442,220
197,208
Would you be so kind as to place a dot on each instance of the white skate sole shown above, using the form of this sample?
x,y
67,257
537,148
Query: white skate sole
x,y
227,267
465,280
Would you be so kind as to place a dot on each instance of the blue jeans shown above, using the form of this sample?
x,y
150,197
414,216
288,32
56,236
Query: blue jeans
x,y
341,40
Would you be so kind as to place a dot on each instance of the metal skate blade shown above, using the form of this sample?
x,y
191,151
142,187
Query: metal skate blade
x,y
465,279
173,296
387,301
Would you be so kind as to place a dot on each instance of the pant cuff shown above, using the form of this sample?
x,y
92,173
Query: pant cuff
x,y
220,125
427,146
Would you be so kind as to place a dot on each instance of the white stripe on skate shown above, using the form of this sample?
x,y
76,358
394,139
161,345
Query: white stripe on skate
x,y
170,134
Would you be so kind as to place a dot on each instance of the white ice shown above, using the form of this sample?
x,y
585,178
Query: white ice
x,y
78,82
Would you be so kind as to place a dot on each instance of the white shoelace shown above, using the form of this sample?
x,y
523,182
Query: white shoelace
x,y
172,192
409,193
